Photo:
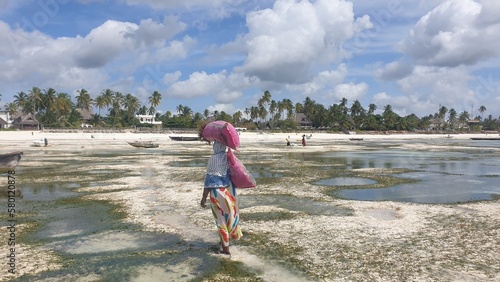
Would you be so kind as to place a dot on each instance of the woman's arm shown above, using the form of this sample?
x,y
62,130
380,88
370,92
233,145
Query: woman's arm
x,y
204,197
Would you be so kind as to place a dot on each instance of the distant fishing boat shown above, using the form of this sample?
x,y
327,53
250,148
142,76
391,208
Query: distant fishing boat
x,y
144,144
485,138
9,160
184,138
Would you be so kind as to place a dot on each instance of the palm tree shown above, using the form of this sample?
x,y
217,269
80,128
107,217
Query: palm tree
x,y
20,99
262,103
12,108
452,116
308,108
180,109
265,99
442,112
35,98
100,102
108,97
186,111
155,100
372,108
116,106
63,105
390,118
273,106
237,117
84,101
197,117
356,109
254,113
343,105
262,114
299,107
143,111
482,109
132,105
48,110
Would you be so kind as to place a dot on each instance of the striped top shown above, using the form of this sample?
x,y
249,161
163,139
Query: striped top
x,y
218,168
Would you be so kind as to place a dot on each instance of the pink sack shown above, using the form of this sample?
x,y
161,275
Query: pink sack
x,y
223,132
240,176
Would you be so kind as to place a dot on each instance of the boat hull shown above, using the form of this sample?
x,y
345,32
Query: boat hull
x,y
145,144
9,160
184,138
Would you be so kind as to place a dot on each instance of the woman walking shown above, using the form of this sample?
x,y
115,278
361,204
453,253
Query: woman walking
x,y
223,198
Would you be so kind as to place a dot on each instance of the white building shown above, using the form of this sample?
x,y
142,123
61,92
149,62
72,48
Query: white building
x,y
5,120
150,119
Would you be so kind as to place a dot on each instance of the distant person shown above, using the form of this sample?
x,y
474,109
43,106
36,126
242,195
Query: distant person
x,y
303,140
288,142
46,141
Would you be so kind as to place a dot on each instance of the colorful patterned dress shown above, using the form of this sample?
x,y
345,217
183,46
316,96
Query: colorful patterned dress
x,y
223,195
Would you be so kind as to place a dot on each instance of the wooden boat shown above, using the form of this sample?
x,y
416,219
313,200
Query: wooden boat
x,y
184,138
485,138
144,144
9,160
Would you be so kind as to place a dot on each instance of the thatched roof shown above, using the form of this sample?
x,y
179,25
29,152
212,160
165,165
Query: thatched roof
x,y
26,119
86,114
302,120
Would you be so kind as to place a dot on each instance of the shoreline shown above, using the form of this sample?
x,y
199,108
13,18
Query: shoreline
x,y
417,241
244,136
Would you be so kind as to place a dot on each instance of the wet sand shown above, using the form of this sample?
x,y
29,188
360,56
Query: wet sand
x,y
377,241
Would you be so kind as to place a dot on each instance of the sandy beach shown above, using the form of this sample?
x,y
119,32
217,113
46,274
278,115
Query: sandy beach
x,y
354,241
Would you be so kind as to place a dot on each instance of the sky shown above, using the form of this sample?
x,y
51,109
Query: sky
x,y
415,55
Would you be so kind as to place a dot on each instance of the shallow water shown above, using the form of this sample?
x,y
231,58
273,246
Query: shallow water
x,y
448,173
345,181
95,242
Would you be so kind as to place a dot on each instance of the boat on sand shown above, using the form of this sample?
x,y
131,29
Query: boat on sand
x,y
144,144
184,138
9,160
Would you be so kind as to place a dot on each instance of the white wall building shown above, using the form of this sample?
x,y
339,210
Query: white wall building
x,y
148,119
5,120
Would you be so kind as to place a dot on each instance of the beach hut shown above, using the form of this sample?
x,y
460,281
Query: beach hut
x,y
26,122
303,121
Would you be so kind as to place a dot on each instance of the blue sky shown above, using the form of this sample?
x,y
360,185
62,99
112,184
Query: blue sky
x,y
223,54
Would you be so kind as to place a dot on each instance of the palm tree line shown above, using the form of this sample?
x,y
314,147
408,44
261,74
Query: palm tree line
x,y
55,109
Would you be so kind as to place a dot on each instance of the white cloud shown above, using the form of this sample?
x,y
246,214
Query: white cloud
x,y
198,84
34,58
402,105
447,86
149,32
284,42
350,91
394,70
187,4
322,83
113,38
227,108
103,44
171,77
428,87
224,88
227,96
455,33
